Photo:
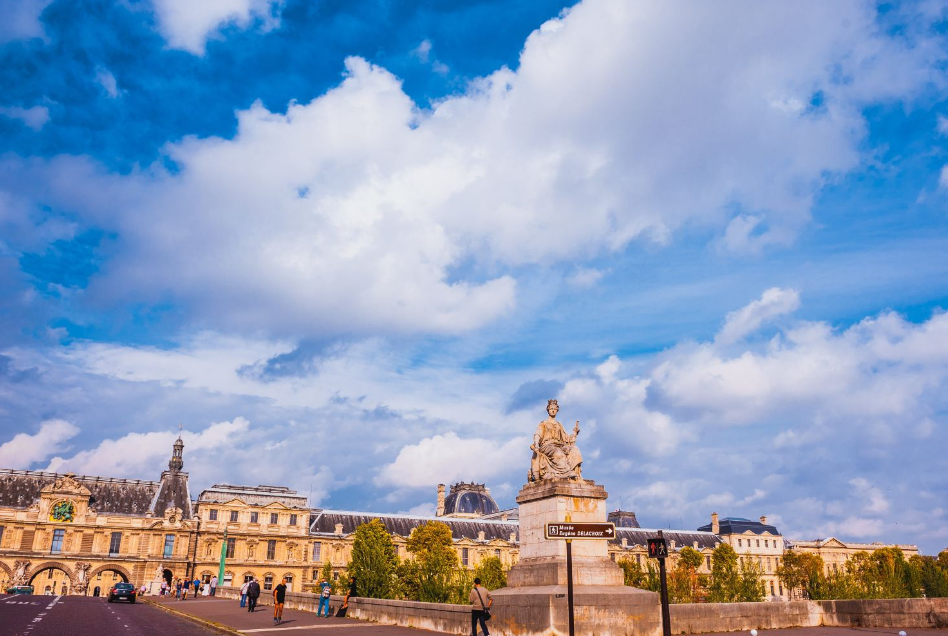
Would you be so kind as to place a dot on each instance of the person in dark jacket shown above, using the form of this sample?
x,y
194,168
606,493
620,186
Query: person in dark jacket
x,y
253,593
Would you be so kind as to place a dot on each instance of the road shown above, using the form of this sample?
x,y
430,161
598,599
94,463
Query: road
x,y
27,615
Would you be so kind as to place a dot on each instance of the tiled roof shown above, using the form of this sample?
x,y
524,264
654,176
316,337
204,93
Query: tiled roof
x,y
738,525
639,537
323,522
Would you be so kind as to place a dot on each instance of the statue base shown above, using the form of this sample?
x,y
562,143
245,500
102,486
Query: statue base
x,y
535,601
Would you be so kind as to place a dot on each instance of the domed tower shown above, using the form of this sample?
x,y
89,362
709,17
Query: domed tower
x,y
177,460
469,500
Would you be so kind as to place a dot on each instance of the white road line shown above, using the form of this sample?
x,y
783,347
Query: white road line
x,y
278,628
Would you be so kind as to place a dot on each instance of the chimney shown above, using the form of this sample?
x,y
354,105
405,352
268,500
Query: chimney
x,y
339,529
440,511
625,542
763,520
513,537
480,535
715,526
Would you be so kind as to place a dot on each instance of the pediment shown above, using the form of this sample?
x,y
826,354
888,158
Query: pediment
x,y
66,485
833,542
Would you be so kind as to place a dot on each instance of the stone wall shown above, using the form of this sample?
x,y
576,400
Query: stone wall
x,y
912,613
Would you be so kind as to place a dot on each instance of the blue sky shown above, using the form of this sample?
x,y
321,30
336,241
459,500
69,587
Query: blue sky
x,y
354,246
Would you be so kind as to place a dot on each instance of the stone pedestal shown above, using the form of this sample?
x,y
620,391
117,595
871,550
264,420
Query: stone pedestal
x,y
535,603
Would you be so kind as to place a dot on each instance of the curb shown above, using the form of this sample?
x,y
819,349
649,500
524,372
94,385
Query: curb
x,y
218,627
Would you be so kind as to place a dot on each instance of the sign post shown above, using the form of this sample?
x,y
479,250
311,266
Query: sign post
x,y
658,549
569,531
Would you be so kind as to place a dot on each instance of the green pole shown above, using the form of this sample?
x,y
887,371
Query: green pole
x,y
220,570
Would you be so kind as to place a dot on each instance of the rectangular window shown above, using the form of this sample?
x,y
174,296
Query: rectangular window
x,y
169,546
707,560
772,588
248,578
228,579
612,555
289,582
271,550
497,553
115,544
231,547
57,546
1,535
233,516
738,543
274,517
292,520
317,551
758,543
268,582
212,515
768,567
464,556
780,587
254,516
766,543
638,559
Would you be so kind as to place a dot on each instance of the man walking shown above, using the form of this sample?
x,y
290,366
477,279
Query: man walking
x,y
279,597
253,593
214,585
243,593
325,591
481,601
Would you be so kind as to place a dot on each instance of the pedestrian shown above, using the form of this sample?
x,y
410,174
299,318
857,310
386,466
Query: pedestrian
x,y
214,586
243,593
206,588
481,601
164,587
253,593
351,593
177,589
97,591
197,588
279,597
325,591
143,589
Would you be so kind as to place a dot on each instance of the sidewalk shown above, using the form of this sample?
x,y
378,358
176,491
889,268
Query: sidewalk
x,y
227,612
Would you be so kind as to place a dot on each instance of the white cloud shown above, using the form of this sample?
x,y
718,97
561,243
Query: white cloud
x,y
136,453
21,19
943,177
187,25
358,212
34,117
852,527
447,458
942,125
876,503
24,449
585,277
107,81
423,50
773,303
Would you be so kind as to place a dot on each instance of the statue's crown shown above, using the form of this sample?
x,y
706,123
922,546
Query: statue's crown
x,y
550,403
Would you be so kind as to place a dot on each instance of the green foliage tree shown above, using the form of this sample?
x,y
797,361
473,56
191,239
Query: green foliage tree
x,y
374,560
725,576
432,547
750,587
800,571
491,573
933,578
684,582
632,572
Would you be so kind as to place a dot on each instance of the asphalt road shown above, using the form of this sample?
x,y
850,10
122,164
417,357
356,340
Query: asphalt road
x,y
28,615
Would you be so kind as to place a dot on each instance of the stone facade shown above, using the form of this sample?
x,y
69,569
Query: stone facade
x,y
835,553
754,541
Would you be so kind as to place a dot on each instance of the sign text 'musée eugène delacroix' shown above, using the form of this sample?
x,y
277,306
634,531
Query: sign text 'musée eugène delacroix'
x,y
580,530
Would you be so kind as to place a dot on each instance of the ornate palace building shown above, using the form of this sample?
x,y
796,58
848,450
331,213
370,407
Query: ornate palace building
x,y
68,534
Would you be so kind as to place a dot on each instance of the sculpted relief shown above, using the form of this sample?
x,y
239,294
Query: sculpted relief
x,y
555,454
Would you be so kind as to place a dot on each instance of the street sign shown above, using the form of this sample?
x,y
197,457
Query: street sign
x,y
657,548
580,530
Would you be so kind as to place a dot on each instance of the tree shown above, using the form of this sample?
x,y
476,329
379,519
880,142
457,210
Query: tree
x,y
491,573
684,583
800,571
750,587
432,547
632,573
725,577
374,560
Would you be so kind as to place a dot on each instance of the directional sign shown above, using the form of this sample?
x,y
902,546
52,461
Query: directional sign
x,y
657,548
580,530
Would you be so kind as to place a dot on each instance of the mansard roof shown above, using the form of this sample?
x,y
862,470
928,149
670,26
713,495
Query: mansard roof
x,y
739,525
682,538
323,522
21,489
254,495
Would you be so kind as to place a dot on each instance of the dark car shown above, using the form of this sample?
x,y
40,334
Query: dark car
x,y
20,589
122,591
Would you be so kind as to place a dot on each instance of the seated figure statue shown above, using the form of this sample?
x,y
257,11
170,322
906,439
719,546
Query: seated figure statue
x,y
555,455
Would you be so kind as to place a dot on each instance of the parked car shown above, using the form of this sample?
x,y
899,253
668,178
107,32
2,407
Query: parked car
x,y
20,589
122,591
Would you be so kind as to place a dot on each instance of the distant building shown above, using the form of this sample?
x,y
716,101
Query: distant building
x,y
835,552
754,541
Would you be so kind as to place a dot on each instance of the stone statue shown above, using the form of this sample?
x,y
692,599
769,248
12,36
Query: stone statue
x,y
20,569
555,455
81,582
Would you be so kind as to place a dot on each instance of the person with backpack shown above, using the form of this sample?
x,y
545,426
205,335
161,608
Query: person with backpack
x,y
253,593
481,601
325,592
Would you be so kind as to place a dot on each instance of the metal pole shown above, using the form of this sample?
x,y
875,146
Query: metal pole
x,y
569,584
666,618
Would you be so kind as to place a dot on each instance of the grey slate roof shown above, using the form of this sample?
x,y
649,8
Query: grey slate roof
x,y
21,488
639,537
323,522
739,525
254,495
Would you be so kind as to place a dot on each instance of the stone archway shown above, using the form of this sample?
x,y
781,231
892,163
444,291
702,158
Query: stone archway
x,y
94,580
6,577
51,584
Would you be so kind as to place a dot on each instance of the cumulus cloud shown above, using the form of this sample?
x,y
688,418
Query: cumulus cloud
x,y
773,303
34,117
21,19
357,211
447,458
188,25
24,450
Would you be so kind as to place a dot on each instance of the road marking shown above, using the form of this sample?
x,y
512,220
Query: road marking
x,y
277,628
